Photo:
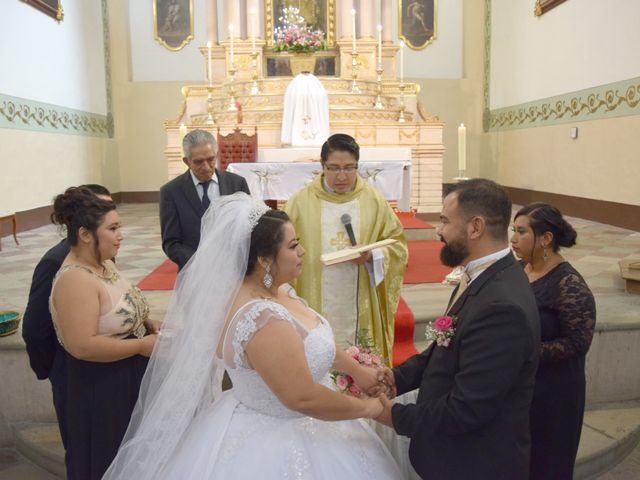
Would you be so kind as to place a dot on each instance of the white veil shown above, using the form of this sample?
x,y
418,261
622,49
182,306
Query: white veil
x,y
184,372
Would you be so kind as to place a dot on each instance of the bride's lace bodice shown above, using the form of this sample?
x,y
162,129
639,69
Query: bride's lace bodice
x,y
248,386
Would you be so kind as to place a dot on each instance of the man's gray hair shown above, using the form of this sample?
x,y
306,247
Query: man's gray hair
x,y
195,138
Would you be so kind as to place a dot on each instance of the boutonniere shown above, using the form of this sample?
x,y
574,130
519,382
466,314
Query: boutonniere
x,y
441,330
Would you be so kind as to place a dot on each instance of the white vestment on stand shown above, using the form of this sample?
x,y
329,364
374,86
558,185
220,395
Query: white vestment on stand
x,y
305,120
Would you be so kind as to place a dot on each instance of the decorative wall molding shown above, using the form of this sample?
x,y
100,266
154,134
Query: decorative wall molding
x,y
106,40
605,101
25,114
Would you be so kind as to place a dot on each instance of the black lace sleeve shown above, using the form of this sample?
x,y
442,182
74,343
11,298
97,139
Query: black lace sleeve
x,y
576,310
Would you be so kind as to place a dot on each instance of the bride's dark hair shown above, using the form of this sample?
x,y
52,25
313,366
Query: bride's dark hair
x,y
266,237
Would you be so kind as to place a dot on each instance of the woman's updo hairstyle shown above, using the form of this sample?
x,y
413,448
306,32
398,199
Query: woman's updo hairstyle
x,y
547,218
79,207
266,237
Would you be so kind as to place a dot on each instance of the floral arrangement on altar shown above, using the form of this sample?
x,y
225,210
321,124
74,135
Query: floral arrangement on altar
x,y
295,35
364,353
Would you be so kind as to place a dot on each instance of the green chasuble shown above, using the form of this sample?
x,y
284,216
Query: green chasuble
x,y
344,293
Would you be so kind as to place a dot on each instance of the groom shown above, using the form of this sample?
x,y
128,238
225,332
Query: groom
x,y
471,418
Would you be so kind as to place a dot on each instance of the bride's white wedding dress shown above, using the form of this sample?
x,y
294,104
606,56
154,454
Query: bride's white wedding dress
x,y
249,434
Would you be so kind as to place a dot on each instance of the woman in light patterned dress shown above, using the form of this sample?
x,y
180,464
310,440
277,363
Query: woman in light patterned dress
x,y
101,321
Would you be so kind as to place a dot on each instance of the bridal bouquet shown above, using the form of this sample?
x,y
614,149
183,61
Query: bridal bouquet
x,y
364,353
295,36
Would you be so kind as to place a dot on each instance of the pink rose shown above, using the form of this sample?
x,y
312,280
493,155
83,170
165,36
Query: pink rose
x,y
342,382
443,323
376,360
353,352
354,391
365,359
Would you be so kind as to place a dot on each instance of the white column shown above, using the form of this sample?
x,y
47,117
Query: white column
x,y
366,18
212,21
344,13
387,28
233,15
256,5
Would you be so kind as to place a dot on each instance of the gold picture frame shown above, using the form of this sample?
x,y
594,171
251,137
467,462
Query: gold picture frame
x,y
543,6
324,13
53,8
417,22
173,23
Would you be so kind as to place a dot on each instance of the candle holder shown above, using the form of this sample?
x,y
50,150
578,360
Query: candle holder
x,y
354,72
461,176
232,89
255,88
211,119
401,118
378,103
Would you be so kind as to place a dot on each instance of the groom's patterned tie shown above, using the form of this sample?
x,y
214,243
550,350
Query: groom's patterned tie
x,y
465,280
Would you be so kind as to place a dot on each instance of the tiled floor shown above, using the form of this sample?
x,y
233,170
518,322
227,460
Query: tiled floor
x,y
596,256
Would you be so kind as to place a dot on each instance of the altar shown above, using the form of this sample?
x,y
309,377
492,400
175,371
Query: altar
x,y
246,78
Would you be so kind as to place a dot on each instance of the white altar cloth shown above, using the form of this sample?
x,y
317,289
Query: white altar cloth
x,y
305,117
278,181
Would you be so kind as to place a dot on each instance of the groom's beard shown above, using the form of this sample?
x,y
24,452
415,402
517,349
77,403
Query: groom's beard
x,y
453,253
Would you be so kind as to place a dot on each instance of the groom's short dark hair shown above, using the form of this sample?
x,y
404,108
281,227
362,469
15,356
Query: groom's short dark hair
x,y
486,199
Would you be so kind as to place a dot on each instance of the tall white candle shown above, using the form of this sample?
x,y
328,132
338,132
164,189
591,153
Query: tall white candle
x,y
401,61
253,30
462,147
209,62
353,30
231,39
182,132
379,44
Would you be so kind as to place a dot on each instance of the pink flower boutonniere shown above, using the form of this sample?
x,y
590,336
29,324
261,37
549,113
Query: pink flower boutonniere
x,y
441,330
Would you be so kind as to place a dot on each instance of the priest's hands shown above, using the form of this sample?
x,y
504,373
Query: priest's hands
x,y
363,258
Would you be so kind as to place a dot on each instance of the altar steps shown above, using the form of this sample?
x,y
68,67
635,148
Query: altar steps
x,y
609,433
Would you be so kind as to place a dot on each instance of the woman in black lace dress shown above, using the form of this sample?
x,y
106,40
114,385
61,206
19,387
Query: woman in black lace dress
x,y
567,320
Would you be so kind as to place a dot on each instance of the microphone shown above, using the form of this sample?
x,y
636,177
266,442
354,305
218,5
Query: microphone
x,y
346,221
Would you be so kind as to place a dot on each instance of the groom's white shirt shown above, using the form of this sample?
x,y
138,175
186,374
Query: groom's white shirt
x,y
495,256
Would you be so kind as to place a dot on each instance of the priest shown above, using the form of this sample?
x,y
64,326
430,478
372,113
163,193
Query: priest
x,y
339,209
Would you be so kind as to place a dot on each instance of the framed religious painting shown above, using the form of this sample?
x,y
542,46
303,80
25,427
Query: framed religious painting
x,y
309,15
543,6
417,22
173,23
53,8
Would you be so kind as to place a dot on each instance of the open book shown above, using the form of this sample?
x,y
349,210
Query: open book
x,y
348,254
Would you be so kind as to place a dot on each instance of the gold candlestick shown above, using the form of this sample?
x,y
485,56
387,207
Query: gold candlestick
x,y
401,118
354,72
378,103
232,89
210,116
255,88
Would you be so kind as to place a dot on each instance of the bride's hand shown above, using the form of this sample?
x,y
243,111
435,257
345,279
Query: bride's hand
x,y
366,378
373,408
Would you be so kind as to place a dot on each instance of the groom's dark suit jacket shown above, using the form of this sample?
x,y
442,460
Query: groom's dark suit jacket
x,y
181,210
471,419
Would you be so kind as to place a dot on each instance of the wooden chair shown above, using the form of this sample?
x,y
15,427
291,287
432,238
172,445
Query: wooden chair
x,y
14,226
237,147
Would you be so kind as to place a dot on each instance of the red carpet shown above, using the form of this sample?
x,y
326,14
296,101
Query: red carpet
x,y
424,262
162,278
410,221
403,346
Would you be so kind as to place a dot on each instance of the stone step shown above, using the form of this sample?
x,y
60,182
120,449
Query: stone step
x,y
42,445
609,433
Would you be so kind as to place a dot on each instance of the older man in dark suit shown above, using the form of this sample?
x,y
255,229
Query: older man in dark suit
x,y
471,418
184,199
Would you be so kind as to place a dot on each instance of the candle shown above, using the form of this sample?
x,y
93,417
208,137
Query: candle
x,y
353,30
209,62
253,30
231,38
380,45
462,148
401,61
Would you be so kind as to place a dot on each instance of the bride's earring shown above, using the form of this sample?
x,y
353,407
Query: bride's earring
x,y
545,257
267,280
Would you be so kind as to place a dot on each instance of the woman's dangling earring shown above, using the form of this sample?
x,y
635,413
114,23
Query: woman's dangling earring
x,y
545,257
267,280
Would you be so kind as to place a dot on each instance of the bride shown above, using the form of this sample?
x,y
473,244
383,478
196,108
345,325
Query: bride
x,y
233,310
